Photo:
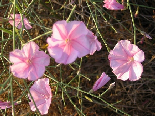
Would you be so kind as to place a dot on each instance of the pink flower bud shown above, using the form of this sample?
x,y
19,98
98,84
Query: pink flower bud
x,y
101,81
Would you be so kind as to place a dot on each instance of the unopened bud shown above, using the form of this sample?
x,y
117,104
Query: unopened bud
x,y
78,72
91,91
137,11
146,35
111,85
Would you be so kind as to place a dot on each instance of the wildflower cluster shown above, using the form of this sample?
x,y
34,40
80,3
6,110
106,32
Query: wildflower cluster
x,y
69,41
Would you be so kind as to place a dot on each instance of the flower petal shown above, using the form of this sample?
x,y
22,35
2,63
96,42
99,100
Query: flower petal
x,y
124,76
4,105
29,62
127,65
112,5
36,72
94,43
38,102
81,45
76,29
123,70
115,56
119,49
41,58
59,30
18,22
41,93
30,49
20,70
55,52
130,49
44,108
114,64
26,23
98,45
139,56
136,71
69,55
53,42
16,56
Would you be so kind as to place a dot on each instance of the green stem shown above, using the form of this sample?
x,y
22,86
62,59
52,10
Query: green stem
x,y
105,18
108,49
7,31
11,87
103,93
14,24
78,73
23,93
49,32
71,13
108,105
6,81
29,6
73,103
62,85
31,97
5,40
133,23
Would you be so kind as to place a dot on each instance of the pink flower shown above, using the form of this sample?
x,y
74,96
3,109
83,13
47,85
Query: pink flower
x,y
4,105
68,41
41,93
18,22
29,62
112,5
101,81
125,60
94,43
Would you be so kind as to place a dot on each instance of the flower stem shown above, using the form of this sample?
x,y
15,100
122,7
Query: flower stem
x,y
104,92
49,32
11,84
71,13
107,104
31,97
14,3
108,49
11,87
133,23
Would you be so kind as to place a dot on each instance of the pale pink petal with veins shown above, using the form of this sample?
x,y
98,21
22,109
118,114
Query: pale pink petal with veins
x,y
29,62
101,81
18,22
68,41
42,95
125,60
